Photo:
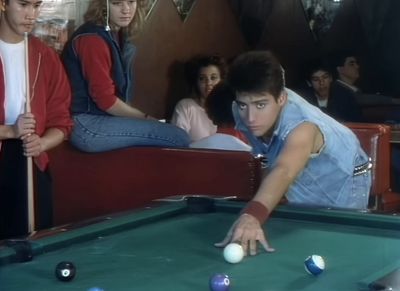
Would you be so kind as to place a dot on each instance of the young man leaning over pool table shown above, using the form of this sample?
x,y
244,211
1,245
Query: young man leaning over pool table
x,y
311,159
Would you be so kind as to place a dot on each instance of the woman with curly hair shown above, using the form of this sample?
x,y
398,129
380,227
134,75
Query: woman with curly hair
x,y
203,73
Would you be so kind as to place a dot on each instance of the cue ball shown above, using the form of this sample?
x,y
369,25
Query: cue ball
x,y
314,265
65,271
233,253
219,282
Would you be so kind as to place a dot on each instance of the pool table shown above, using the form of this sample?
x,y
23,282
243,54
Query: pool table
x,y
169,246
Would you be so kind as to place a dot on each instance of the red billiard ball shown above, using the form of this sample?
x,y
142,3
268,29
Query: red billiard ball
x,y
65,271
219,282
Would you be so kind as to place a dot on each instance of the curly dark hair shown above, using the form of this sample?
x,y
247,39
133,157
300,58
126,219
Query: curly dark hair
x,y
194,66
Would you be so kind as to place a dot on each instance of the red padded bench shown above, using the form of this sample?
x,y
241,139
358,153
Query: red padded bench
x,y
375,140
89,185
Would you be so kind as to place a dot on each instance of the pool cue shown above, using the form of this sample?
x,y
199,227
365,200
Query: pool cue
x,y
29,177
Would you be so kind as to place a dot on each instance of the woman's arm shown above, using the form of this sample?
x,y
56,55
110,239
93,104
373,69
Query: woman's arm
x,y
96,61
120,108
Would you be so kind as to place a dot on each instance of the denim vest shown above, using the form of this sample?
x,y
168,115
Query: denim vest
x,y
122,59
327,179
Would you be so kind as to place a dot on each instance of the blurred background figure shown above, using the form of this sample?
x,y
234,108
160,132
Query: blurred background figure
x,y
332,98
347,69
203,73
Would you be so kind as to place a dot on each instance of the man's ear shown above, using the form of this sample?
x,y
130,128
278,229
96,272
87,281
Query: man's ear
x,y
282,97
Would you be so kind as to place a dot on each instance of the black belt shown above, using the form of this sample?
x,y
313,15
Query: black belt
x,y
364,168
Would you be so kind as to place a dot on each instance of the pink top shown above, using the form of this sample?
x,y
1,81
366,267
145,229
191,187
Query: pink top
x,y
191,117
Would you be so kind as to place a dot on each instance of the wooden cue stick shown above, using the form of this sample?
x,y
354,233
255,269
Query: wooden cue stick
x,y
29,180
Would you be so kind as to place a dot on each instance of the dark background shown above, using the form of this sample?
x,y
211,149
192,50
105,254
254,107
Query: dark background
x,y
371,28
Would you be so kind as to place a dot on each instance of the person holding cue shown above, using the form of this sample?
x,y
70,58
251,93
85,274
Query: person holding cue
x,y
28,134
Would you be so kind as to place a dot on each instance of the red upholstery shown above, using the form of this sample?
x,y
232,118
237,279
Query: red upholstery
x,y
375,140
89,185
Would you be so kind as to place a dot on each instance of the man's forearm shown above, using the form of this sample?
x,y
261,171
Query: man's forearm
x,y
273,188
51,138
6,132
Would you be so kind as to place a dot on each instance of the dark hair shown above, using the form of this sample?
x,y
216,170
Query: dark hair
x,y
338,58
318,65
194,66
257,72
219,104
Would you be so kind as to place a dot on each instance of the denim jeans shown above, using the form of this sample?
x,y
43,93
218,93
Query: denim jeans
x,y
98,133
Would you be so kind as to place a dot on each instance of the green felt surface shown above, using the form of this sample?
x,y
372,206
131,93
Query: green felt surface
x,y
167,249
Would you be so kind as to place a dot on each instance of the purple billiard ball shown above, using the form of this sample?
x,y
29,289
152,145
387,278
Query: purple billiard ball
x,y
219,282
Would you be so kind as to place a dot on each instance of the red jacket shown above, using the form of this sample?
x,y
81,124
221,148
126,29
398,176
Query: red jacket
x,y
50,92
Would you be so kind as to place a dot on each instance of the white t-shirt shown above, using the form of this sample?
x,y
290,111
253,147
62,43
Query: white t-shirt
x,y
191,117
13,59
322,103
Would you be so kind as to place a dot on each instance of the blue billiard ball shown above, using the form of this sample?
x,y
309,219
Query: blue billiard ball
x,y
219,282
314,265
95,289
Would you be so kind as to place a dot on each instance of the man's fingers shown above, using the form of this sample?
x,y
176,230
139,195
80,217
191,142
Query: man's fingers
x,y
253,247
228,238
266,246
222,243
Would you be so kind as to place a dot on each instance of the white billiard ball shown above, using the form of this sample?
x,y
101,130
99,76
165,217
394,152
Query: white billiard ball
x,y
233,253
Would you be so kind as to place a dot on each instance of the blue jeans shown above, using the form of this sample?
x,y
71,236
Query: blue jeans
x,y
99,133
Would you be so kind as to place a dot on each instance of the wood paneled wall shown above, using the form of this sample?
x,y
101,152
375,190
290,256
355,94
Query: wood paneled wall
x,y
167,42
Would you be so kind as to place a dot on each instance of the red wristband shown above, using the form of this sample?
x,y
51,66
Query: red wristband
x,y
258,210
